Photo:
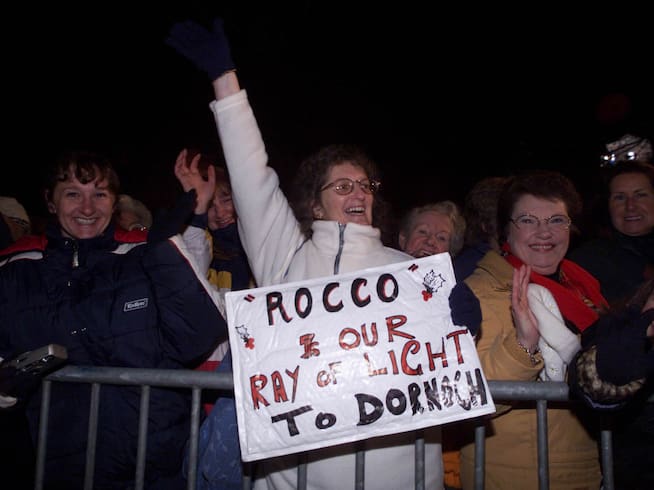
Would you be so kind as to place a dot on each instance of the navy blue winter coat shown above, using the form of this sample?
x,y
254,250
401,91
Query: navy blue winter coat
x,y
110,303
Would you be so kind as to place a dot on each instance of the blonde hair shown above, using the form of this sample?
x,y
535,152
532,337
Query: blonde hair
x,y
447,208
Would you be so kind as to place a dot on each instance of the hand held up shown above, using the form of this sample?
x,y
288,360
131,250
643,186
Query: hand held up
x,y
190,177
207,50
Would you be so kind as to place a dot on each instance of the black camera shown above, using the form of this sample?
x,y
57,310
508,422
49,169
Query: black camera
x,y
22,373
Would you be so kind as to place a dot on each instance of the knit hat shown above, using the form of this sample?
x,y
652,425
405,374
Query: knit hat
x,y
11,208
628,147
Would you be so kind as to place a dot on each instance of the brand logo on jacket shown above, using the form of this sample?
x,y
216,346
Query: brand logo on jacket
x,y
137,304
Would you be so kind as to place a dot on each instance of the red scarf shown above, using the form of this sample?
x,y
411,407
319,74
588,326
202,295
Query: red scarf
x,y
576,285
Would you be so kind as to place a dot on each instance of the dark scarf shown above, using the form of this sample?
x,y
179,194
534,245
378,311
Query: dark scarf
x,y
577,292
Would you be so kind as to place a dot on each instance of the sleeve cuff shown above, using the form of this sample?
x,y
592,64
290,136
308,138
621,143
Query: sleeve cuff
x,y
200,220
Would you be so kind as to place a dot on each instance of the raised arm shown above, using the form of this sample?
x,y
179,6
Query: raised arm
x,y
189,176
269,231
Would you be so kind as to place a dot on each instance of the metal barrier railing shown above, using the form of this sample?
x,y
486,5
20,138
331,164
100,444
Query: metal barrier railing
x,y
540,393
197,381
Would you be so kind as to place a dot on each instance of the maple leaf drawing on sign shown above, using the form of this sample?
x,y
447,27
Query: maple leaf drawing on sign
x,y
245,336
432,282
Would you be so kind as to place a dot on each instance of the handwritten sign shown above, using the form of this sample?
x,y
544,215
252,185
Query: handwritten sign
x,y
349,357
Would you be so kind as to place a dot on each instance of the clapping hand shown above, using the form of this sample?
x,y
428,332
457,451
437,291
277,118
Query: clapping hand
x,y
526,324
208,50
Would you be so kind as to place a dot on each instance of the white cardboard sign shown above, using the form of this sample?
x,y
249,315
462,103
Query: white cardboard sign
x,y
348,357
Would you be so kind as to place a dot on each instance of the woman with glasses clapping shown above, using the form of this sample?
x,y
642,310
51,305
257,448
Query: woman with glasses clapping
x,y
534,306
332,227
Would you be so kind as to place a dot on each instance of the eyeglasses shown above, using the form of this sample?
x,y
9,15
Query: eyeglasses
x,y
346,186
528,222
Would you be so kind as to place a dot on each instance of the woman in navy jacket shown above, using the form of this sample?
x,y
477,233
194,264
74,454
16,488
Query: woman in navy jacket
x,y
112,298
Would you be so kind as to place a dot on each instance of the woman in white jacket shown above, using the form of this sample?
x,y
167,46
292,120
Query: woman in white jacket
x,y
331,229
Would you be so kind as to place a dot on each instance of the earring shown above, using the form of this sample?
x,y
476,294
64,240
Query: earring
x,y
52,208
319,215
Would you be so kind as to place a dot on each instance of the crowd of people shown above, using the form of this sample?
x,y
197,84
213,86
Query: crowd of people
x,y
120,285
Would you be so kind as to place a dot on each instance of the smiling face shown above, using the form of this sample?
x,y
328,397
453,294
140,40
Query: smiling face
x,y
221,210
544,247
631,204
83,210
355,207
430,233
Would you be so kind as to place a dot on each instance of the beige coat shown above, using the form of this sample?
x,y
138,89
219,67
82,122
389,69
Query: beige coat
x,y
511,435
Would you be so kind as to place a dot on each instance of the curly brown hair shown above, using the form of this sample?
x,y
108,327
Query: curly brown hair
x,y
544,184
311,177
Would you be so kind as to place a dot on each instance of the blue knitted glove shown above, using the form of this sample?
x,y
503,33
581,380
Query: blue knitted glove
x,y
208,50
172,222
465,307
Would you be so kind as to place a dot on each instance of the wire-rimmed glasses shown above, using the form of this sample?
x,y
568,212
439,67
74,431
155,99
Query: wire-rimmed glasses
x,y
529,222
345,186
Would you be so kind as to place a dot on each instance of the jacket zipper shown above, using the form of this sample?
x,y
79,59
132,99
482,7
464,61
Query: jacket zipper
x,y
75,254
341,240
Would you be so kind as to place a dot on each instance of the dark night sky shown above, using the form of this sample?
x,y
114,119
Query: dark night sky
x,y
456,90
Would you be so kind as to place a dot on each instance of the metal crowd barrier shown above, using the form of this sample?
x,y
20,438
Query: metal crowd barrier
x,y
197,381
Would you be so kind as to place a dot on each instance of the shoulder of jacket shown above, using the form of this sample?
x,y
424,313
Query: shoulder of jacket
x,y
593,247
492,268
28,243
131,236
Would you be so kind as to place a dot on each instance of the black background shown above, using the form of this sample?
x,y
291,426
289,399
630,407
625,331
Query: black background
x,y
439,95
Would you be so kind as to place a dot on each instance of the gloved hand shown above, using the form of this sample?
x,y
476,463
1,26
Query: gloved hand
x,y
16,386
624,353
208,50
465,307
173,221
